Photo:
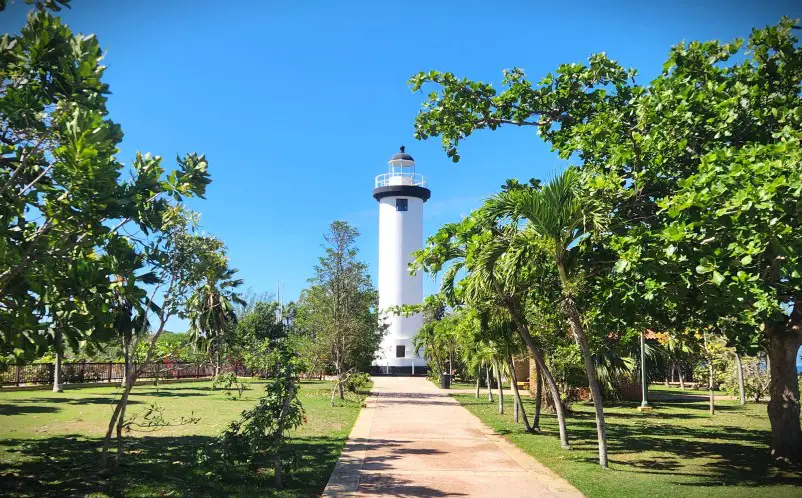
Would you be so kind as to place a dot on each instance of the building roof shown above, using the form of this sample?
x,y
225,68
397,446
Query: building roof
x,y
401,155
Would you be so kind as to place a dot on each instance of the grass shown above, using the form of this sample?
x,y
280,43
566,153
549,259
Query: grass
x,y
49,443
662,389
679,450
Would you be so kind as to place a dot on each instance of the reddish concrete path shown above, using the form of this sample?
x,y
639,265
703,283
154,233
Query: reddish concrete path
x,y
411,439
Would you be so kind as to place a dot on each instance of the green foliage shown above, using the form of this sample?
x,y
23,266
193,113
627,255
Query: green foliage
x,y
261,433
696,180
67,271
756,378
337,315
358,382
228,382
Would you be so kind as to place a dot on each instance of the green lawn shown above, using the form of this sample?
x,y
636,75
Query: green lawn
x,y
662,389
679,450
49,443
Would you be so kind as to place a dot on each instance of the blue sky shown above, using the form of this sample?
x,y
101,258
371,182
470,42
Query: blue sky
x,y
298,105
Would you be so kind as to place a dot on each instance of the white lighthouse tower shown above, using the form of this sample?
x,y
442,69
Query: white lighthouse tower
x,y
401,193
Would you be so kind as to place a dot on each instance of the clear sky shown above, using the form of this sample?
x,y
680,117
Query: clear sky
x,y
298,105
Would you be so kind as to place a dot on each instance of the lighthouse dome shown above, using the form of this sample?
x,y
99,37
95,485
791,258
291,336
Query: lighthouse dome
x,y
401,156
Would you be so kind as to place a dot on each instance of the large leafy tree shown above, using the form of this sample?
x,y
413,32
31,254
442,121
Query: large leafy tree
x,y
339,311
671,153
63,198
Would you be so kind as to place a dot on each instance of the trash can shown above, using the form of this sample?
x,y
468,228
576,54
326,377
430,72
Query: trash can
x,y
445,381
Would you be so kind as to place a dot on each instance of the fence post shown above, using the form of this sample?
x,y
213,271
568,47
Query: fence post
x,y
17,380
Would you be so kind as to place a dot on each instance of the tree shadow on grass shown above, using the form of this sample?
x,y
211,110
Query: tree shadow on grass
x,y
67,466
701,455
19,409
86,400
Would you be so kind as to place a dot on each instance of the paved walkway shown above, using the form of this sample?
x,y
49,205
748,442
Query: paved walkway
x,y
411,439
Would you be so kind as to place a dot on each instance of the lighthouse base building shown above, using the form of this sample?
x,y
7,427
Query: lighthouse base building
x,y
401,194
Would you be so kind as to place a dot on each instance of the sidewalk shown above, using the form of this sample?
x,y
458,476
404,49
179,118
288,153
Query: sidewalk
x,y
414,440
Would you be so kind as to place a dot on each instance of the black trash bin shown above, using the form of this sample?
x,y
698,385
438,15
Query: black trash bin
x,y
445,381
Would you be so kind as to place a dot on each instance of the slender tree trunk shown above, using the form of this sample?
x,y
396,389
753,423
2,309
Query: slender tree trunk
x,y
57,373
681,377
517,401
109,431
515,416
489,385
500,388
783,407
280,433
741,389
710,381
575,323
523,331
538,400
668,376
478,375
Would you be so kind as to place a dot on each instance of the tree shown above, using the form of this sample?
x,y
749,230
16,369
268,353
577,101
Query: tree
x,y
211,310
471,246
181,260
557,218
63,199
256,335
261,433
673,155
339,310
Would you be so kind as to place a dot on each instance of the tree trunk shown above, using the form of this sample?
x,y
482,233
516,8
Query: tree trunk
x,y
216,359
710,381
575,323
783,406
478,375
489,385
500,388
517,401
515,416
741,389
538,401
523,331
57,373
681,377
280,433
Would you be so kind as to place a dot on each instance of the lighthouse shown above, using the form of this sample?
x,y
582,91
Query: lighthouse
x,y
401,193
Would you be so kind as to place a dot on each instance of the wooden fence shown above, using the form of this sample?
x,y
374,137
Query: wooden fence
x,y
76,373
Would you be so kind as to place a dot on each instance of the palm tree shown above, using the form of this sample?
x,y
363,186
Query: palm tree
x,y
211,312
464,246
557,218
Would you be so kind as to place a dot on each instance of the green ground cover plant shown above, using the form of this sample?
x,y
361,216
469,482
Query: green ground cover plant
x,y
49,442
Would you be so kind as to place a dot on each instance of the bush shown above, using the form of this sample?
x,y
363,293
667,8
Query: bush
x,y
756,378
228,382
357,382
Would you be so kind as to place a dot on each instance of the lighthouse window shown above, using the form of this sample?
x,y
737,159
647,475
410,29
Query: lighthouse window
x,y
401,204
400,351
